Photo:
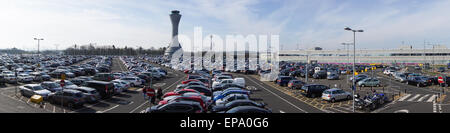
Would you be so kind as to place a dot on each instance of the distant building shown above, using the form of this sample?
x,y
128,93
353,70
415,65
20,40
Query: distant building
x,y
439,55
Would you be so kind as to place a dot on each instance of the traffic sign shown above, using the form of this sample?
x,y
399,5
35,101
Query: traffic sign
x,y
440,80
62,83
63,77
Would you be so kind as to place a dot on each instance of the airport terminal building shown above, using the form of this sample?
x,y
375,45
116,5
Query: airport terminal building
x,y
406,54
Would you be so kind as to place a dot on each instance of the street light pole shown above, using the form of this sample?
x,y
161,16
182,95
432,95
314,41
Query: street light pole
x,y
38,43
354,60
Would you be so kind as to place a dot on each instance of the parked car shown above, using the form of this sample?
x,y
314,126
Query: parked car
x,y
202,89
134,81
248,109
400,77
103,77
295,84
237,103
51,86
284,80
230,98
24,78
226,86
68,97
34,89
313,90
105,89
335,94
10,78
91,95
221,94
320,75
359,77
419,81
333,76
371,82
177,107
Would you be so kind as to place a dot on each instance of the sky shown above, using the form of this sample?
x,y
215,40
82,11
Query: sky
x,y
301,24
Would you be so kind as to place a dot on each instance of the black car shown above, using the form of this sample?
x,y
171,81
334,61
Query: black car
x,y
418,81
284,80
226,86
248,109
441,69
313,90
177,107
2,80
236,103
202,89
68,97
103,77
106,89
296,73
89,71
320,75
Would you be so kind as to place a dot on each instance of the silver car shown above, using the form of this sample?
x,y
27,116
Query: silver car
x,y
335,94
91,95
34,89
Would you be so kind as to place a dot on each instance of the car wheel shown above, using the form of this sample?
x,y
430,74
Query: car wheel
x,y
418,84
333,100
70,105
132,85
378,85
349,97
313,95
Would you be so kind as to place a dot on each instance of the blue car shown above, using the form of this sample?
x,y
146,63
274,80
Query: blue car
x,y
220,95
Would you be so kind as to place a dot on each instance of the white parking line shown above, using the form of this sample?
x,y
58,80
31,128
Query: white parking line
x,y
138,107
54,109
278,96
404,97
416,96
107,109
281,111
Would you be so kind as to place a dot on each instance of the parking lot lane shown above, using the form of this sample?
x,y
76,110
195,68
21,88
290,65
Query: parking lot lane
x,y
11,105
412,107
278,100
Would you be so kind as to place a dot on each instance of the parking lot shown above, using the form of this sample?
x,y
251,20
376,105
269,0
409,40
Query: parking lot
x,y
275,98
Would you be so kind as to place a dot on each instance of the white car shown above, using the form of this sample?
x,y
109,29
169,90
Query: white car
x,y
223,81
231,97
123,84
67,84
34,89
239,81
134,81
24,78
10,78
218,79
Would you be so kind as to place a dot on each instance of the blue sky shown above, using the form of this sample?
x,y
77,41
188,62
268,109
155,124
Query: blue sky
x,y
300,23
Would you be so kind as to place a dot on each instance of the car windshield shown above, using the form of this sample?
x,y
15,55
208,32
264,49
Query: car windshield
x,y
53,85
78,95
36,88
326,92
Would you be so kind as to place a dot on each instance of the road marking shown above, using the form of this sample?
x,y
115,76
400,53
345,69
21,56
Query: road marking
x,y
139,106
143,111
404,97
54,109
423,97
440,108
416,96
278,96
281,111
107,109
431,99
434,107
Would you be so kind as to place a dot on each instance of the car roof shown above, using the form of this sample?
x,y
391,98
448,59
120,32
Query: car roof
x,y
85,88
71,91
333,89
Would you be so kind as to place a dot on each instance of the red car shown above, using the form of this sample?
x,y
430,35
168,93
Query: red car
x,y
185,98
190,80
180,92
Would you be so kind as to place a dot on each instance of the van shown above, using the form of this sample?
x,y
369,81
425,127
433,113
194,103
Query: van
x,y
106,89
318,69
103,77
239,81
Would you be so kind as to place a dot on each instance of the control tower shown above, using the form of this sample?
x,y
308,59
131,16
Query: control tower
x,y
174,44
